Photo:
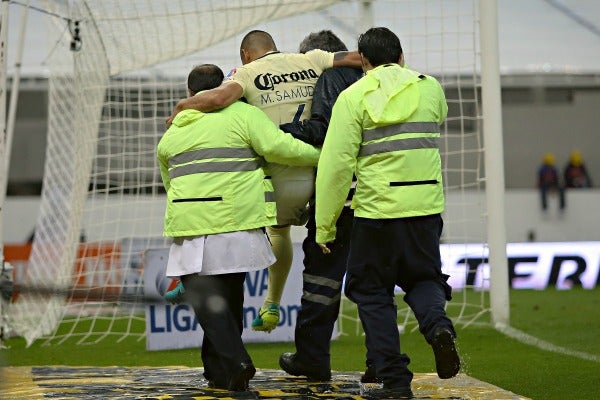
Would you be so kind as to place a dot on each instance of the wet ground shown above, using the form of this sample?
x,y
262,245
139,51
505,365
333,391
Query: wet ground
x,y
187,383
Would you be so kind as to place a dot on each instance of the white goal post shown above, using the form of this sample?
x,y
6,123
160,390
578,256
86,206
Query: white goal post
x,y
117,69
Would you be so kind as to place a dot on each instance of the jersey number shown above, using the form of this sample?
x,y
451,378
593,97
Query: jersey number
x,y
299,113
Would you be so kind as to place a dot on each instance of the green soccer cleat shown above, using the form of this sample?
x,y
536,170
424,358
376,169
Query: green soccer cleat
x,y
267,320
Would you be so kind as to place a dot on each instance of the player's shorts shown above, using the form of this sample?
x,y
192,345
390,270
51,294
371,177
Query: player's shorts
x,y
294,186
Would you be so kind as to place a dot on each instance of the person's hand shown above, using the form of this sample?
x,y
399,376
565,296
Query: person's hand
x,y
169,120
179,107
324,248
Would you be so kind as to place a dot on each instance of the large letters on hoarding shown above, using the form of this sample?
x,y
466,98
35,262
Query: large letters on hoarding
x,y
175,326
530,265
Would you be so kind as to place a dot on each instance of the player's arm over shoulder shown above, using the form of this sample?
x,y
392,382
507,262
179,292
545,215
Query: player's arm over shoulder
x,y
210,100
213,99
326,59
219,97
347,59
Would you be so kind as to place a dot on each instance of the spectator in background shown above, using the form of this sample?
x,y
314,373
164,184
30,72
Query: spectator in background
x,y
548,182
575,173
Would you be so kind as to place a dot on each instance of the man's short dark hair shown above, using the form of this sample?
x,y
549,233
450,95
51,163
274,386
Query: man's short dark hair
x,y
204,77
380,46
258,39
322,40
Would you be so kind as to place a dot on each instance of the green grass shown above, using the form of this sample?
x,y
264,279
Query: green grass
x,y
569,319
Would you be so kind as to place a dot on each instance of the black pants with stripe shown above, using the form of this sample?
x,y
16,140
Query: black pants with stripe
x,y
322,285
403,252
218,302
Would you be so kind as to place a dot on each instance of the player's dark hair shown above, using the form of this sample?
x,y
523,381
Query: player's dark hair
x,y
258,39
204,77
380,46
322,40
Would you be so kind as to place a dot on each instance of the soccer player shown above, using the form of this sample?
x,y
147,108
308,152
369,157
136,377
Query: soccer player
x,y
282,85
218,202
385,129
323,273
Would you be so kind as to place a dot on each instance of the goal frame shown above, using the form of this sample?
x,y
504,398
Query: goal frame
x,y
492,134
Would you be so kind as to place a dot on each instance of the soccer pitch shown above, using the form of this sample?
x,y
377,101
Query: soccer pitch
x,y
566,320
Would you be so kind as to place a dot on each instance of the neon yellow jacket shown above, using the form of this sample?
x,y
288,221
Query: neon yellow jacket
x,y
211,167
385,129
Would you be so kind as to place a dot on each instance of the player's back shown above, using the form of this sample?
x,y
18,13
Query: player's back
x,y
282,84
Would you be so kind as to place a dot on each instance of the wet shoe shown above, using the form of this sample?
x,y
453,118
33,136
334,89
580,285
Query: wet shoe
x,y
401,392
290,364
447,362
215,385
240,380
175,296
217,382
369,375
267,320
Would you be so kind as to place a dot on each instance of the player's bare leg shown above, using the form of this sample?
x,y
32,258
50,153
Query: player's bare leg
x,y
281,242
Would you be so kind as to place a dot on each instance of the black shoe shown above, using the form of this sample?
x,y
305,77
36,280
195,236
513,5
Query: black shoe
x,y
447,362
401,392
215,383
369,375
239,381
289,363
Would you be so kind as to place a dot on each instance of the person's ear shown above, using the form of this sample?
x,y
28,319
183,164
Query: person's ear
x,y
244,56
363,61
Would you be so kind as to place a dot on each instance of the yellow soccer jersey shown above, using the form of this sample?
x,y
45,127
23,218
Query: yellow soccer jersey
x,y
282,84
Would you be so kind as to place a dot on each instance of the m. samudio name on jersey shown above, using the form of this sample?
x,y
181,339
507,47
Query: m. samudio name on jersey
x,y
284,95
269,81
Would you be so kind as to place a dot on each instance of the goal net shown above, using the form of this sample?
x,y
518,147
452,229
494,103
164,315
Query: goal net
x,y
117,68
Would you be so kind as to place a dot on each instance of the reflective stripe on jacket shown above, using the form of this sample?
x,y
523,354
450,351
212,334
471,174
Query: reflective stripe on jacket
x,y
211,166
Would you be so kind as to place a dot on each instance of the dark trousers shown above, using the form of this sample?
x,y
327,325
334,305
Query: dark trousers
x,y
544,191
322,285
386,253
218,302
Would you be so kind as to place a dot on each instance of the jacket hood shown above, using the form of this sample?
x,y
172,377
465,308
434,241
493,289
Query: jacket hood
x,y
186,117
391,94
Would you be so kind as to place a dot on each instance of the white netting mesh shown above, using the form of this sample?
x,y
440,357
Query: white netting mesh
x,y
114,82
